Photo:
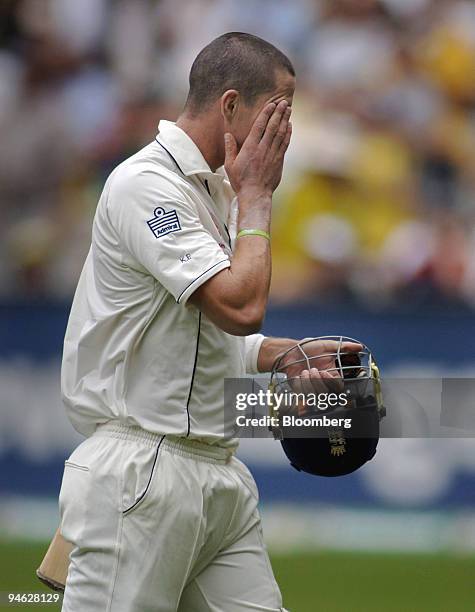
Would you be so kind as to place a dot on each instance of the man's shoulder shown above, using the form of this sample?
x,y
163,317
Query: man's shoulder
x,y
147,170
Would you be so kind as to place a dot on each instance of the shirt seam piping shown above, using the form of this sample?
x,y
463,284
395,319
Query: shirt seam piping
x,y
193,376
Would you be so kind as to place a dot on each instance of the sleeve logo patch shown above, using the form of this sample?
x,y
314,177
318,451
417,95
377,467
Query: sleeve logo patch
x,y
164,223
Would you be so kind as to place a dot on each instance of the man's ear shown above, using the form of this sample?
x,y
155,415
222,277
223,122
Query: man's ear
x,y
229,105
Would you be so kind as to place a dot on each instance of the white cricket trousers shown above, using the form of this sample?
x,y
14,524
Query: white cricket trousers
x,y
162,524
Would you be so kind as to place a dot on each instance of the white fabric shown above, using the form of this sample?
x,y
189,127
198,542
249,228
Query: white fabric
x,y
134,349
253,346
165,525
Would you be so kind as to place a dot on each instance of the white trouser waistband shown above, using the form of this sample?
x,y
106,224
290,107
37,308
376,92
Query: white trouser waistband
x,y
180,446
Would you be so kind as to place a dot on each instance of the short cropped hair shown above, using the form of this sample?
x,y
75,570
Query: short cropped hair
x,y
235,60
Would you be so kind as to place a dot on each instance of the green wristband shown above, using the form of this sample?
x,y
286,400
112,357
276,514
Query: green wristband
x,y
253,232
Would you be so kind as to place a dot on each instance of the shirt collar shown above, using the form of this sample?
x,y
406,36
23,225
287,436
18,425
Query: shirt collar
x,y
184,150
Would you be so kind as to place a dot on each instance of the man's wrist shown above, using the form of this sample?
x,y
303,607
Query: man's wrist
x,y
257,216
251,198
270,349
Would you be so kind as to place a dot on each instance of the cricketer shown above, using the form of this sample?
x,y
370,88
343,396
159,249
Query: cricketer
x,y
161,515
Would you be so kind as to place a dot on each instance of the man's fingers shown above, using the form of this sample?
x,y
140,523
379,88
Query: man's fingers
x,y
333,381
305,379
273,125
351,347
313,381
260,124
317,378
285,143
230,149
324,382
281,133
331,346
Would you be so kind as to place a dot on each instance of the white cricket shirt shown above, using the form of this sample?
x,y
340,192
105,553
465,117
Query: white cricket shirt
x,y
134,349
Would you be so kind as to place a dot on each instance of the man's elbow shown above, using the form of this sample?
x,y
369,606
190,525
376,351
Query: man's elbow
x,y
248,320
234,313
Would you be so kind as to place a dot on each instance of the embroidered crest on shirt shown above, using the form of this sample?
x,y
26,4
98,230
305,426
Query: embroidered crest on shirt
x,y
164,223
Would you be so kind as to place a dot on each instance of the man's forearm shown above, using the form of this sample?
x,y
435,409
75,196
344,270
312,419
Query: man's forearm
x,y
251,263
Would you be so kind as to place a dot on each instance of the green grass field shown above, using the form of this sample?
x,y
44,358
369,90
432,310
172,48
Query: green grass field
x,y
320,582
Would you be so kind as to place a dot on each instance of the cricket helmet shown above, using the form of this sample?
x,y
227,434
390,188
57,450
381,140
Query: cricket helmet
x,y
332,449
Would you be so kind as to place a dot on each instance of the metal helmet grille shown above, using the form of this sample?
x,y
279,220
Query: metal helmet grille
x,y
340,364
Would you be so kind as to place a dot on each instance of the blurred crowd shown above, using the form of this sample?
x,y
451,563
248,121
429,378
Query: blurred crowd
x,y
377,201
